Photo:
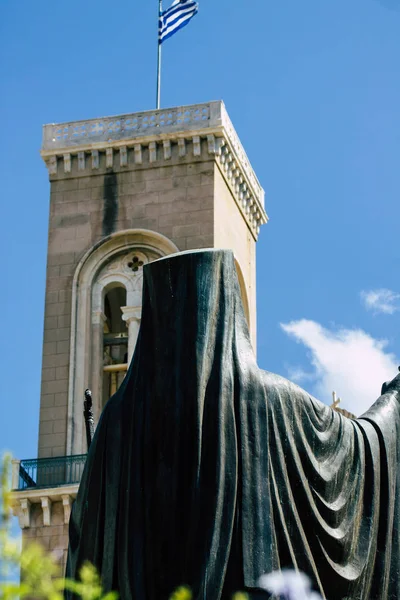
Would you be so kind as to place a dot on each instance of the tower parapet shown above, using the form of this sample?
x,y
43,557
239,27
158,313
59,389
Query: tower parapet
x,y
153,137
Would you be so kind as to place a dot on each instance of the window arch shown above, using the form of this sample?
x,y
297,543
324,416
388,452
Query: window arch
x,y
115,263
115,340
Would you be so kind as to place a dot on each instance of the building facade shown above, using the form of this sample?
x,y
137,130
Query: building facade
x,y
125,190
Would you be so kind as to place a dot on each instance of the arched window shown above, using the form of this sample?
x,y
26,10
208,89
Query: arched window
x,y
115,341
106,312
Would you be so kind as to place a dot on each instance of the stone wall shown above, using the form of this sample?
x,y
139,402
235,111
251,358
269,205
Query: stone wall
x,y
54,537
232,231
174,198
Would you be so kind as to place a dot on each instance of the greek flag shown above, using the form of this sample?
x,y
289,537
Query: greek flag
x,y
175,17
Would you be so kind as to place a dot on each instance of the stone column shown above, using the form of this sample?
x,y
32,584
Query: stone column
x,y
132,316
96,383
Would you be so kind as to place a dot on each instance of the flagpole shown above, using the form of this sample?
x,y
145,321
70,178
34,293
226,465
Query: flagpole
x,y
159,58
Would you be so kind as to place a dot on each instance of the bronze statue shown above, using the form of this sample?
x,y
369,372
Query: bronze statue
x,y
207,471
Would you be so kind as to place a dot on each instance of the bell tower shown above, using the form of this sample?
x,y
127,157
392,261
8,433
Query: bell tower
x,y
124,191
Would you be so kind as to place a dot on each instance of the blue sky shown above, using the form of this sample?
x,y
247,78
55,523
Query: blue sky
x,y
313,89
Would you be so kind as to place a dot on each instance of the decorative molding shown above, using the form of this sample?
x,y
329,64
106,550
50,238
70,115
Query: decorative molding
x,y
123,156
95,159
131,313
109,158
46,508
24,513
21,501
132,316
81,161
247,201
67,163
98,317
67,505
211,144
167,149
181,147
196,145
52,165
181,126
152,152
138,154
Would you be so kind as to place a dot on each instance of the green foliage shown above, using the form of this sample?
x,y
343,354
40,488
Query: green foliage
x,y
182,593
41,576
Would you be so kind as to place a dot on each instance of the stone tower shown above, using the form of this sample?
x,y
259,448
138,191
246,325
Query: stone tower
x,y
125,190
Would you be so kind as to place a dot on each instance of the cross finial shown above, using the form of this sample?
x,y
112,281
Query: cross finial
x,y
335,401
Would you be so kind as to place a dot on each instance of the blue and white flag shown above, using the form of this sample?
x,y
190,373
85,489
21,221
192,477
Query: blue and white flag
x,y
175,17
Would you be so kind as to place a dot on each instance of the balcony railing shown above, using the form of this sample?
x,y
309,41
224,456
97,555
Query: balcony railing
x,y
50,472
116,376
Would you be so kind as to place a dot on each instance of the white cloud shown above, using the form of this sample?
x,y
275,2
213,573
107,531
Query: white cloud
x,y
349,361
298,374
381,301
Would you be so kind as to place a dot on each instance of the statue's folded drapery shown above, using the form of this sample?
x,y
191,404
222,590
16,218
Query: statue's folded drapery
x,y
206,471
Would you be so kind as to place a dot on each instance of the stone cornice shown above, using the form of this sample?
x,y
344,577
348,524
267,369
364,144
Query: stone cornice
x,y
22,500
157,131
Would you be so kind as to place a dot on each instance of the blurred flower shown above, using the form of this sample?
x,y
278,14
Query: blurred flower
x,y
181,593
288,585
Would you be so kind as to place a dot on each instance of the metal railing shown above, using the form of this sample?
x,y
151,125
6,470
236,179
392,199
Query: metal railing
x,y
116,376
50,472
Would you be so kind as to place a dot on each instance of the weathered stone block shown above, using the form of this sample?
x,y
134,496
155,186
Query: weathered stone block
x,y
56,360
65,185
143,198
58,450
200,191
60,426
47,440
199,241
49,348
46,427
61,372
50,323
53,272
52,387
63,333
174,195
50,335
61,308
63,321
51,297
62,258
172,219
159,185
65,295
62,347
134,187
48,374
145,223
47,400
61,399
186,230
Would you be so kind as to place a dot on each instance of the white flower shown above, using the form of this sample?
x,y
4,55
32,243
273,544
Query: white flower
x,y
289,585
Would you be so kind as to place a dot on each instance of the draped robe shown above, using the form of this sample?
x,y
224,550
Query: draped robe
x,y
207,471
